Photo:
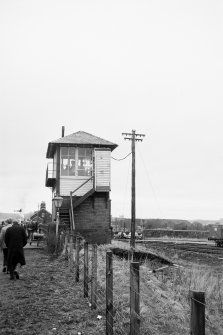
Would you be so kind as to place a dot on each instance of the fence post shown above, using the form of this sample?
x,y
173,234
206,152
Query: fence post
x,y
77,251
71,253
61,241
65,245
197,321
94,277
85,269
109,293
134,299
57,244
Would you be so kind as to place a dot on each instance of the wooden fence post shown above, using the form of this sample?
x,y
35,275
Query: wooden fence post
x,y
109,293
134,299
60,241
71,253
94,277
77,258
65,245
57,243
85,269
197,321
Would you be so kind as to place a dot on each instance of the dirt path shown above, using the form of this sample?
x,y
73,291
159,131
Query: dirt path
x,y
45,300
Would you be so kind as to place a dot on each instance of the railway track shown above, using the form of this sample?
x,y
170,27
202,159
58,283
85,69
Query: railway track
x,y
203,253
188,247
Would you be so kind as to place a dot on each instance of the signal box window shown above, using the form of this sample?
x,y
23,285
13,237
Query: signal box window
x,y
68,161
76,161
84,167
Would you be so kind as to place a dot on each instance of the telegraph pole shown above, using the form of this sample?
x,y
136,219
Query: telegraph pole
x,y
133,137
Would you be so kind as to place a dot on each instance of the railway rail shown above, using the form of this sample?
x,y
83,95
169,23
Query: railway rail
x,y
197,252
190,247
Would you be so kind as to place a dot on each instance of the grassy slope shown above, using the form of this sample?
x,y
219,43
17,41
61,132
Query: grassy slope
x,y
46,300
164,297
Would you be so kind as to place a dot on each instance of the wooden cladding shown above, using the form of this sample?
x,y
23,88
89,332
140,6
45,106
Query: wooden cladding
x,y
102,169
70,184
101,182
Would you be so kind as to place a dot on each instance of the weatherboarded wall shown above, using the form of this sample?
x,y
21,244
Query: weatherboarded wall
x,y
70,184
92,218
102,169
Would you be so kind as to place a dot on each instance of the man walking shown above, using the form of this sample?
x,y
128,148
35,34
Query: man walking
x,y
3,246
15,240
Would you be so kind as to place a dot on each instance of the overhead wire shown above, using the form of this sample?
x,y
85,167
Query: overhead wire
x,y
125,190
149,179
150,182
121,159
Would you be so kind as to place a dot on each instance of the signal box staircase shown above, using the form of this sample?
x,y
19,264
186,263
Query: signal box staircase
x,y
65,212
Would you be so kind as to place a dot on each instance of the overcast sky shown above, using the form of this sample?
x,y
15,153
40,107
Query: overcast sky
x,y
107,67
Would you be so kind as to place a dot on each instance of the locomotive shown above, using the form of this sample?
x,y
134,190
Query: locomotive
x,y
216,234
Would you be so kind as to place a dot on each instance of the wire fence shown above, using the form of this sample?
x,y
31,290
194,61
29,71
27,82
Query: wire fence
x,y
133,299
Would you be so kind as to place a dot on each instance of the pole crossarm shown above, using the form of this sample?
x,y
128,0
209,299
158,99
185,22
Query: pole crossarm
x,y
128,138
131,134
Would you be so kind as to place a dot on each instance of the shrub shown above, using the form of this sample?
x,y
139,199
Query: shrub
x,y
51,242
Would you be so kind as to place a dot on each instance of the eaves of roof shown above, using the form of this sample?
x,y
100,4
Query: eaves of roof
x,y
80,139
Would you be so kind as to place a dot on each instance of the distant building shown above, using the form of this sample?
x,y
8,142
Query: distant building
x,y
42,215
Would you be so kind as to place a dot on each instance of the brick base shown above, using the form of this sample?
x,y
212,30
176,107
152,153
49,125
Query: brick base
x,y
92,218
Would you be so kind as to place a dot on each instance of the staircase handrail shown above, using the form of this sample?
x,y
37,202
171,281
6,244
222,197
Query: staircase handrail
x,y
86,181
71,203
72,213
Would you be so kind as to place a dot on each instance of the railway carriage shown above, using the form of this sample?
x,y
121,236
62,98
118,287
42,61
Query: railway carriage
x,y
216,234
173,233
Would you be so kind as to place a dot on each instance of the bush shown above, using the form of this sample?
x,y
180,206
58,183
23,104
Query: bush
x,y
51,241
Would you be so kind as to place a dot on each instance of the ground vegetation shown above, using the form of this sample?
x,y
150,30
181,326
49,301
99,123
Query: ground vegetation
x,y
46,300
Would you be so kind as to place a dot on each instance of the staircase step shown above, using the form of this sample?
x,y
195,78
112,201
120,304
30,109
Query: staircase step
x,y
81,199
64,214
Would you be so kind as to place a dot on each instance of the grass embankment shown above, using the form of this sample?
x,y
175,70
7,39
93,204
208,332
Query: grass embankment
x,y
164,296
47,301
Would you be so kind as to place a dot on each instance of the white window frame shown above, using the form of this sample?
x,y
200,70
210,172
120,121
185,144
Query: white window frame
x,y
76,163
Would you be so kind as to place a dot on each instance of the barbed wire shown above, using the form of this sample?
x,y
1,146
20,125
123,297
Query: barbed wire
x,y
165,297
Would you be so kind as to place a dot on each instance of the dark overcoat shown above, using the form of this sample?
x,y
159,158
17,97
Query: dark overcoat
x,y
15,240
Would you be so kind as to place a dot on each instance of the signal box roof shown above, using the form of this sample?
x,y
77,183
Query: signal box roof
x,y
79,139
